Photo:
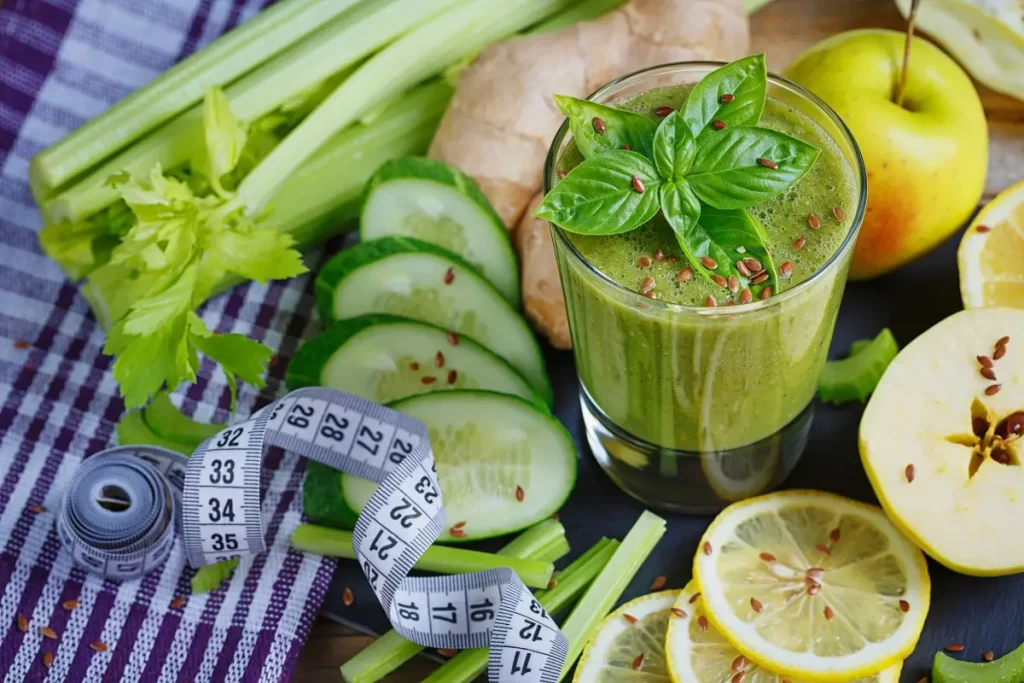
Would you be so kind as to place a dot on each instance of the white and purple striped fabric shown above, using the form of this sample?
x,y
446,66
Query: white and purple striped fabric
x,y
62,62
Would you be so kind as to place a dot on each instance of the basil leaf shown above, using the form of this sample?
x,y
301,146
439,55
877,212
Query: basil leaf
x,y
674,147
746,80
732,229
681,209
620,127
598,196
726,172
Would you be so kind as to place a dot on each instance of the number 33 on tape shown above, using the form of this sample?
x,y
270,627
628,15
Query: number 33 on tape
x,y
405,515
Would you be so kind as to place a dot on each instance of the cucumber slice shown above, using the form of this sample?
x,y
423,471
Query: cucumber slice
x,y
855,377
384,357
1007,669
486,445
419,280
429,200
167,421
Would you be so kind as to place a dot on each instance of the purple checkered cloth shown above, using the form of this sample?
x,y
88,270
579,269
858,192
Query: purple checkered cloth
x,y
61,63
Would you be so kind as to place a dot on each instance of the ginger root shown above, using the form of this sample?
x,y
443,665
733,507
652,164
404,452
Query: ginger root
x,y
502,119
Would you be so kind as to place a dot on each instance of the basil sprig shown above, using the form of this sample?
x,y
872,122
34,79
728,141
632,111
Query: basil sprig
x,y
702,165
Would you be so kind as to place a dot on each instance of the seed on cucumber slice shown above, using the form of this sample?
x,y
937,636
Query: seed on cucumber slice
x,y
487,447
383,358
429,200
415,279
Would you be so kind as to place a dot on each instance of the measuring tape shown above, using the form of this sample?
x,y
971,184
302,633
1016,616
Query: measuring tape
x,y
124,505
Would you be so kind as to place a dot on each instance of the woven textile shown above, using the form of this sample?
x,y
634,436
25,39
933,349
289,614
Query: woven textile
x,y
61,63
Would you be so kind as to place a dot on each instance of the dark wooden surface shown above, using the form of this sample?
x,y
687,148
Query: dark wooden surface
x,y
978,612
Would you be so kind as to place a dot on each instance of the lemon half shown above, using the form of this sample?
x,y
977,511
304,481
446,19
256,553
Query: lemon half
x,y
629,646
813,585
697,653
991,254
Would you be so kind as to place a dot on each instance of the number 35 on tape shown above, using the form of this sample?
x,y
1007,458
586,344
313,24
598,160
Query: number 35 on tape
x,y
404,516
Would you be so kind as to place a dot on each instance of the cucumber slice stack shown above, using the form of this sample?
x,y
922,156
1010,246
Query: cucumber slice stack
x,y
429,200
415,279
488,446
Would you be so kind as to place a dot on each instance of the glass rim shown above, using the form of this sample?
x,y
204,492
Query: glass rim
x,y
550,164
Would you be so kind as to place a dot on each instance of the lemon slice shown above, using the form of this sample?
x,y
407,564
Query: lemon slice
x,y
696,652
991,255
813,585
630,643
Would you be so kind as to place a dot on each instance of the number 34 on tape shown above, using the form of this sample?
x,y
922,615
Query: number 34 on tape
x,y
404,516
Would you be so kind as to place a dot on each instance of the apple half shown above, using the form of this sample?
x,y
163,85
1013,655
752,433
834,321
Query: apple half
x,y
943,444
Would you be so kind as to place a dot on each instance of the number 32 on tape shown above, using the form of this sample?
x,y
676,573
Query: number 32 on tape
x,y
404,516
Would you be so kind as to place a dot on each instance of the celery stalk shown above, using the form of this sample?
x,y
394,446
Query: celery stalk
x,y
336,47
468,664
426,50
323,540
391,650
606,589
181,86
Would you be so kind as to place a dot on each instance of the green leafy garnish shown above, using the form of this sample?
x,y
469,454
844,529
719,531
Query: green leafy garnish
x,y
180,245
855,377
702,166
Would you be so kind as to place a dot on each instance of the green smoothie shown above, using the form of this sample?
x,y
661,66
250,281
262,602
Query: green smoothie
x,y
690,377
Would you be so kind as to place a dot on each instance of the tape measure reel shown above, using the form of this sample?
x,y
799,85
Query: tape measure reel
x,y
126,504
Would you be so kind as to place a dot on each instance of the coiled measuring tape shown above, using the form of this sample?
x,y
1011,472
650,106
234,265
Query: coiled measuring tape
x,y
124,505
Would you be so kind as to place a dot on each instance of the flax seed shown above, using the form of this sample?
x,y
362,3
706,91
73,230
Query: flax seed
x,y
739,663
799,243
439,360
648,285
599,125
768,163
457,533
659,255
742,268
551,584
718,124
684,275
767,557
759,278
663,111
814,590
702,624
989,655
178,602
756,605
22,623
630,618
679,613
838,213
726,98
98,646
815,573
709,262
766,292
47,659
985,361
822,548
458,525
35,507
955,647
1003,341
904,606
988,373
48,632
813,222
983,228
720,281
999,352
734,284
70,604
643,262
737,677
673,259
638,184
710,301
829,614
449,276
658,583
414,366
992,389
638,662
452,376
746,296
834,535
909,473
753,264
453,338
520,494
561,173
626,148
428,379
21,345
447,652
786,269
651,294
706,548
694,598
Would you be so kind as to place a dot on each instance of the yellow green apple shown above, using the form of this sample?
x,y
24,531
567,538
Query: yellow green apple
x,y
926,159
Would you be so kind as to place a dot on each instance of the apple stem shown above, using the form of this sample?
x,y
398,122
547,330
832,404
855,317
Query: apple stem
x,y
911,19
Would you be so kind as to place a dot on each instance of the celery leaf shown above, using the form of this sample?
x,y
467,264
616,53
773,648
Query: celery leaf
x,y
238,355
225,139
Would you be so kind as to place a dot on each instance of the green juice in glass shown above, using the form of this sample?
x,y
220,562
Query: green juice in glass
x,y
689,406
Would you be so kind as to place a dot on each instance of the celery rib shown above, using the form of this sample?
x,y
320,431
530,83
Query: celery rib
x,y
391,650
468,664
442,559
178,88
